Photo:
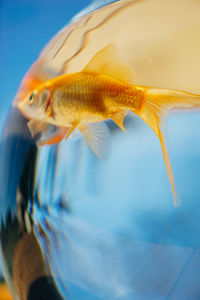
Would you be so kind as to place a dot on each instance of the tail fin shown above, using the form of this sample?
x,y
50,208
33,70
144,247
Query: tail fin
x,y
156,103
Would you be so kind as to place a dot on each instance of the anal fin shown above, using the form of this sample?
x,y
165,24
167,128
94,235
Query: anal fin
x,y
118,118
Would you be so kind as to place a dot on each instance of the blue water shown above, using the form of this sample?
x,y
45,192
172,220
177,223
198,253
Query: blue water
x,y
111,230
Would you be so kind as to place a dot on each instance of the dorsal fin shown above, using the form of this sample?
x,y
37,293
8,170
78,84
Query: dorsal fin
x,y
107,62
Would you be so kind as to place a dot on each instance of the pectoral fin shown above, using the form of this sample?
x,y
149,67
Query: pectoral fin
x,y
52,135
97,138
36,127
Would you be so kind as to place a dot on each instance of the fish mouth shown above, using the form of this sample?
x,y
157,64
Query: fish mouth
x,y
23,109
15,101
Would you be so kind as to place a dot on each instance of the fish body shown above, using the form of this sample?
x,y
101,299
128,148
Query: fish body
x,y
89,97
104,89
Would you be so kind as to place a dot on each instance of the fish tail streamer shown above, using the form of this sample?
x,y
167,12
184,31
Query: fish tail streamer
x,y
156,103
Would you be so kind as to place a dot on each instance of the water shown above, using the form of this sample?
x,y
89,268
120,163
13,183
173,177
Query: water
x,y
74,226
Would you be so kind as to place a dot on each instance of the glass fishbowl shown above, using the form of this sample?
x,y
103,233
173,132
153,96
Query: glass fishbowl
x,y
74,226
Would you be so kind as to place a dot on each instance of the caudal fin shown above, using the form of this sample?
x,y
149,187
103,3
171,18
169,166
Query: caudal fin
x,y
157,102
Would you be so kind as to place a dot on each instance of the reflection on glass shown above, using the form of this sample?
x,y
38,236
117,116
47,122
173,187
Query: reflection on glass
x,y
74,226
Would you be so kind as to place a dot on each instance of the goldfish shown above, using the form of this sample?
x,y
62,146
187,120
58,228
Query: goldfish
x,y
105,89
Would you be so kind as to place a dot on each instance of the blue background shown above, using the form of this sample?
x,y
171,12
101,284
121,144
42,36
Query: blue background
x,y
25,28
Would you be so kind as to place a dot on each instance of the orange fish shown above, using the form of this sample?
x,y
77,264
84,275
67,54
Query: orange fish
x,y
104,89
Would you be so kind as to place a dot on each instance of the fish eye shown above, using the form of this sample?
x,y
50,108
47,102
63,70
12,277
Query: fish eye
x,y
31,98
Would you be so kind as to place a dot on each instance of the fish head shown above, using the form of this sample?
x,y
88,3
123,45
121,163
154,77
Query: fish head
x,y
36,104
28,105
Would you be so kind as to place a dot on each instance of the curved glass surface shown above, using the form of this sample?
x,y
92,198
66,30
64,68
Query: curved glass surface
x,y
77,227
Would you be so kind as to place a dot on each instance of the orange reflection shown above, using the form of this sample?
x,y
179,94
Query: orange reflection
x,y
4,292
